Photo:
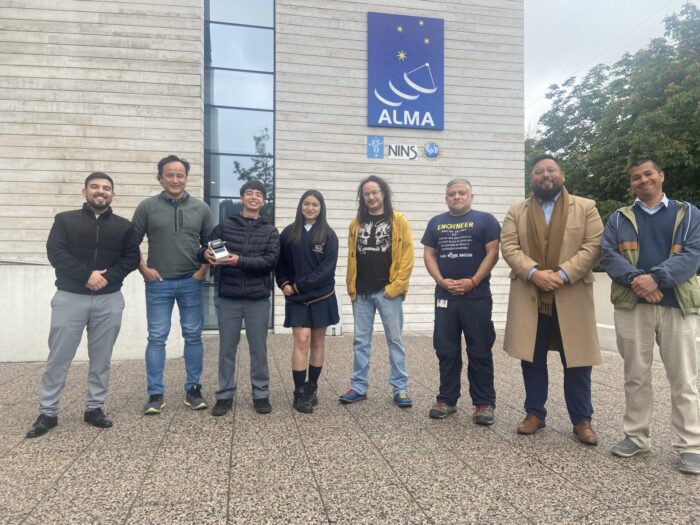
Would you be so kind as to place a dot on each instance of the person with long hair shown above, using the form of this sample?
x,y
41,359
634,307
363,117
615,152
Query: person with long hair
x,y
306,275
380,262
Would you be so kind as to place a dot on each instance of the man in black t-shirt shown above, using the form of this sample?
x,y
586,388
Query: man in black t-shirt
x,y
460,250
380,261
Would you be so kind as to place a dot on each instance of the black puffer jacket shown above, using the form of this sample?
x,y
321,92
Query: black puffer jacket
x,y
79,243
257,245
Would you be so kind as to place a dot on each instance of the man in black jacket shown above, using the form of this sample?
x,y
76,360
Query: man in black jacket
x,y
92,250
245,282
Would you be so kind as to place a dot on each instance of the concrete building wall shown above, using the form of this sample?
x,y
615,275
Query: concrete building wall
x,y
92,86
87,86
26,333
321,123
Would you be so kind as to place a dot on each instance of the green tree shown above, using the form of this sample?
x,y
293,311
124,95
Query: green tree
x,y
644,105
261,169
532,150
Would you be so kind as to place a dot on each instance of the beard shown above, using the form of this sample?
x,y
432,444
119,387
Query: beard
x,y
98,206
546,194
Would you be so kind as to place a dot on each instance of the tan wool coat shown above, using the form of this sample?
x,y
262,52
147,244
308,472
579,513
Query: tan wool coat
x,y
574,301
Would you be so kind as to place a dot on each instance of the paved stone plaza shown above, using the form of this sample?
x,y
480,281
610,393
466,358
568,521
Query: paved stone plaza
x,y
366,463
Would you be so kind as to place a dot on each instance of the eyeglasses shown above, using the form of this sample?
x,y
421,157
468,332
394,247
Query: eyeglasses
x,y
371,193
548,169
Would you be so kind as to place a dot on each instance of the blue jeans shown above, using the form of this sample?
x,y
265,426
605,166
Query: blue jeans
x,y
391,313
160,299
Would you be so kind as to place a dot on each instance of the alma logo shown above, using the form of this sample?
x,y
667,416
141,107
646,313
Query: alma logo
x,y
405,61
407,119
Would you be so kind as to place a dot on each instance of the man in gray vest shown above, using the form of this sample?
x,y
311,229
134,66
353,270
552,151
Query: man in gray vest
x,y
176,225
651,250
92,250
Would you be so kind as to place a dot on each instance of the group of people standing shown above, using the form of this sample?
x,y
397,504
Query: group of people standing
x,y
551,241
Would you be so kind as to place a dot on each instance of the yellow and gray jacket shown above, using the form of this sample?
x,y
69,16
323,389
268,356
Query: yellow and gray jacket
x,y
620,253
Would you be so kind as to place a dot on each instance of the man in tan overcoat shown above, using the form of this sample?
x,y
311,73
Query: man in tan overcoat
x,y
551,241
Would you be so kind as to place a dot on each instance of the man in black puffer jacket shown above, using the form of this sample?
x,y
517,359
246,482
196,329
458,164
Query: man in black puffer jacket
x,y
92,250
245,281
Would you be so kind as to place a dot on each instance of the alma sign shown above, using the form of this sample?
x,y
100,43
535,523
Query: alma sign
x,y
405,61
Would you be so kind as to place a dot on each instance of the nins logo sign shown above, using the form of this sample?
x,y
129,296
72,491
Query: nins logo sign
x,y
405,71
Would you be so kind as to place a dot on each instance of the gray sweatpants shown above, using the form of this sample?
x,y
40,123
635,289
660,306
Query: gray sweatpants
x,y
231,314
70,314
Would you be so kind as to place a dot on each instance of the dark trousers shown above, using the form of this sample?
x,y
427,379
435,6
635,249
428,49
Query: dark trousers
x,y
471,317
577,381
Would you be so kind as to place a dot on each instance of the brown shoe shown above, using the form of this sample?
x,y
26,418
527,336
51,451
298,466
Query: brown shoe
x,y
585,433
530,425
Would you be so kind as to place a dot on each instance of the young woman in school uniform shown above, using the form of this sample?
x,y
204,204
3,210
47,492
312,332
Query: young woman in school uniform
x,y
306,275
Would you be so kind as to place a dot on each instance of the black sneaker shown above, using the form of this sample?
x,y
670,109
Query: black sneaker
x,y
155,404
311,392
262,405
42,425
97,418
302,401
221,407
194,398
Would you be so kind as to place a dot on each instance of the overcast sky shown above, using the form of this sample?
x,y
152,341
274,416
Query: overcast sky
x,y
565,38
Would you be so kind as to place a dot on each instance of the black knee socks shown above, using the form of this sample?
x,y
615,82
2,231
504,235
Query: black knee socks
x,y
299,378
314,373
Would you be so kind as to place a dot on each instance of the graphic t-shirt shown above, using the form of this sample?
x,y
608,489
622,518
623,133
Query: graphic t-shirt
x,y
373,254
459,243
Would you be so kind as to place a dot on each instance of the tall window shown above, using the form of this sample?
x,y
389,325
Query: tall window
x,y
239,104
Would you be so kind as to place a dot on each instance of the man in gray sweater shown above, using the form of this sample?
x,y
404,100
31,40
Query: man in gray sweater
x,y
177,225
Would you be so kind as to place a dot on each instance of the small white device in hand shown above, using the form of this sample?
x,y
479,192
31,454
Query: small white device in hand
x,y
219,248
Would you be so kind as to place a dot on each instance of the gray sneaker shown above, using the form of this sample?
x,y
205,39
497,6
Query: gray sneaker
x,y
194,398
440,410
154,405
690,463
483,415
627,448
